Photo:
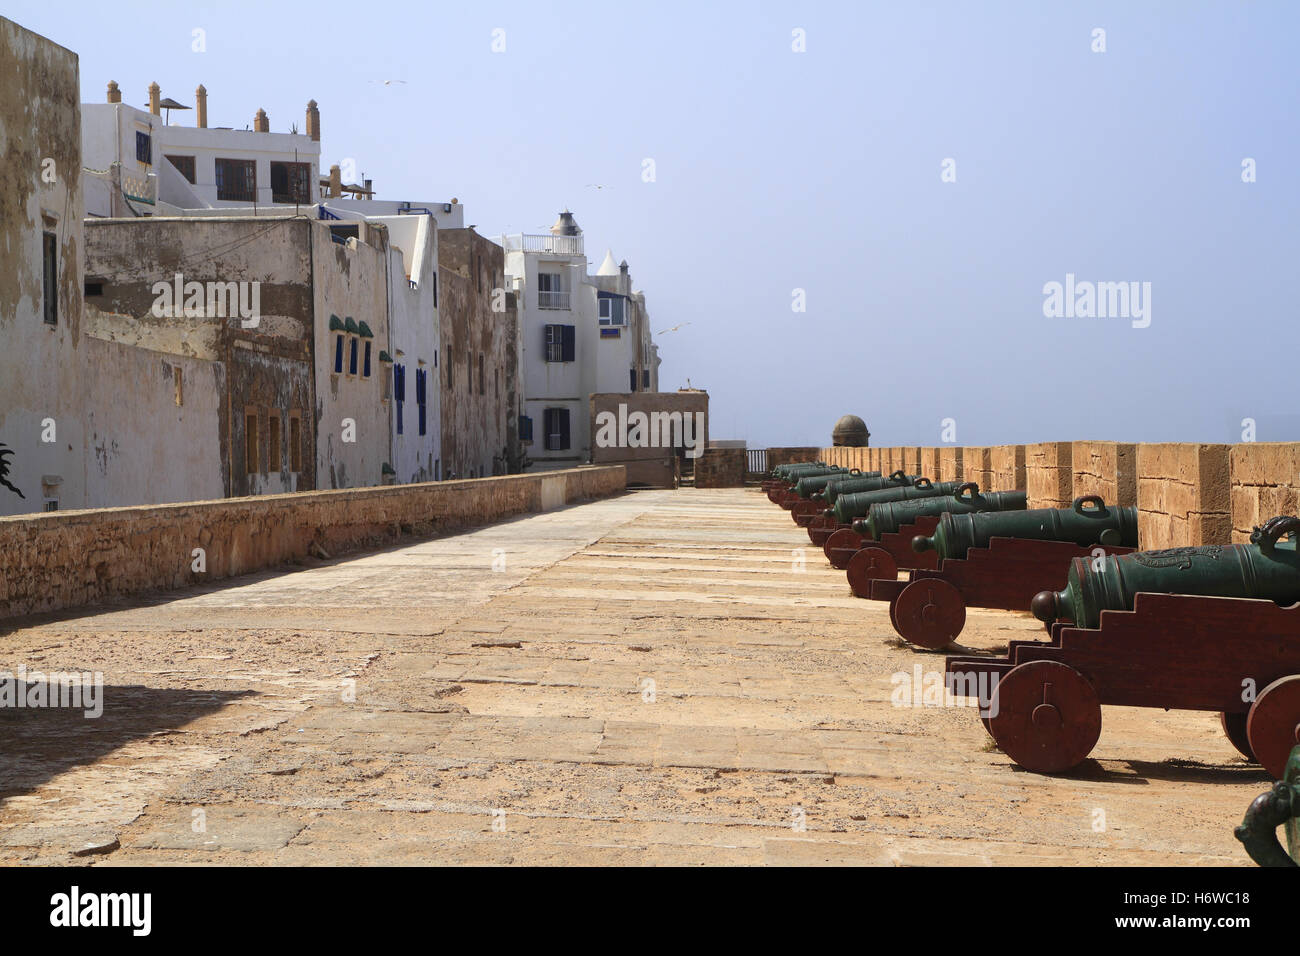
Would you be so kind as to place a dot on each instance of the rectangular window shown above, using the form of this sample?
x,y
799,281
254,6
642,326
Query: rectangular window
x,y
556,423
184,165
399,389
645,378
237,180
291,182
631,379
525,428
550,291
250,443
365,367
273,441
338,353
352,356
50,253
51,504
560,343
421,391
143,148
435,290
295,441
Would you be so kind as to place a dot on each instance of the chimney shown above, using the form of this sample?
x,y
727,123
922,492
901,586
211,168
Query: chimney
x,y
201,107
114,93
313,121
625,281
368,184
336,182
260,123
155,94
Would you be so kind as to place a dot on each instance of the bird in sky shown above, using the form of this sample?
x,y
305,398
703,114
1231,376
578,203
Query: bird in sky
x,y
673,329
596,186
389,82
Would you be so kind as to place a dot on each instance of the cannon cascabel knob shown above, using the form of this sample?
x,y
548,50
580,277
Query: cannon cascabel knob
x,y
1045,606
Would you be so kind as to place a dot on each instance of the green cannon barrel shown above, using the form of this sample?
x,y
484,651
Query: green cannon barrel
x,y
809,485
790,472
888,517
1263,568
843,486
795,475
858,504
958,533
876,482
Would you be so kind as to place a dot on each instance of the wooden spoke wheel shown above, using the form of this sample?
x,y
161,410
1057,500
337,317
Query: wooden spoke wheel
x,y
842,545
1273,724
929,612
1234,728
1045,716
868,564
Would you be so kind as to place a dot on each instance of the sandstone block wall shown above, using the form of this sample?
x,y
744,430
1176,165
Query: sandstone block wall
x,y
1183,495
950,463
67,559
1105,468
1265,482
721,468
1007,468
977,466
1049,476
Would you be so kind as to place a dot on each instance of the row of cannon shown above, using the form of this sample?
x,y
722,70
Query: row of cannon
x,y
1213,628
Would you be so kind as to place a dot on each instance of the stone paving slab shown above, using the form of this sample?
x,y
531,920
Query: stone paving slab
x,y
654,679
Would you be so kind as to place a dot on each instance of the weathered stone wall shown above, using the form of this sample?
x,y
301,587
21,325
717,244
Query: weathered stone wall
x,y
476,373
977,466
70,559
1105,468
1049,478
1007,468
1183,495
657,459
950,463
1265,480
721,468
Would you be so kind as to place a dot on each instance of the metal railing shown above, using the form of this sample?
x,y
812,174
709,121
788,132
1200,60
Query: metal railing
x,y
757,461
552,300
555,245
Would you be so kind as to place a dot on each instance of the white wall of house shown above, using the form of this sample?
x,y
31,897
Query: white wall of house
x,y
108,136
414,335
42,390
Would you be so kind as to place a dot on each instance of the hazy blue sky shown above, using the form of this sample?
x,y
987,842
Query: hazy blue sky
x,y
777,170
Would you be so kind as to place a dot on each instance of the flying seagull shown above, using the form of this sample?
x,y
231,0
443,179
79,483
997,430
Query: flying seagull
x,y
596,186
673,329
388,82
5,453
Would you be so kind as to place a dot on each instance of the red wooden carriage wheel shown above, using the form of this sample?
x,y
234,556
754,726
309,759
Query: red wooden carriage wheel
x,y
871,563
1273,724
930,612
1046,716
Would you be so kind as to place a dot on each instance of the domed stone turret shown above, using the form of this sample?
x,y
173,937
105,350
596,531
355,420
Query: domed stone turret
x,y
850,431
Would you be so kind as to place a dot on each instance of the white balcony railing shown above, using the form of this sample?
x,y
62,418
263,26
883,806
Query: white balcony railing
x,y
553,300
554,245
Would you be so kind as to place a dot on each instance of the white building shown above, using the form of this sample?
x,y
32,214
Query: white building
x,y
140,164
579,334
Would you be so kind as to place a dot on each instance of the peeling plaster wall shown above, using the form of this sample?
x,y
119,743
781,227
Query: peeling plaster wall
x,y
40,377
264,371
351,281
478,412
145,448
